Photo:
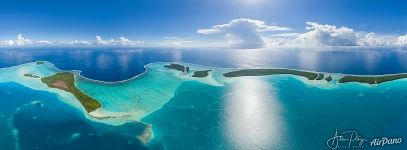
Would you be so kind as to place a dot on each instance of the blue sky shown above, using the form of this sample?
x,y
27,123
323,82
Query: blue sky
x,y
154,20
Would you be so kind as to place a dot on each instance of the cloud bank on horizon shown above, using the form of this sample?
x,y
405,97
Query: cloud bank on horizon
x,y
99,41
247,33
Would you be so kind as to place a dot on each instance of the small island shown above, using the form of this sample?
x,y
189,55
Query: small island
x,y
66,81
178,67
328,79
31,75
146,135
263,72
201,74
320,76
316,76
39,62
372,79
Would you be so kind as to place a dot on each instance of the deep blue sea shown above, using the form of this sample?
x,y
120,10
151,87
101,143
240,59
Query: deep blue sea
x,y
113,64
40,121
279,112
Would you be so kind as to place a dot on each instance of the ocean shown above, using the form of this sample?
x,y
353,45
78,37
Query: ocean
x,y
270,112
127,63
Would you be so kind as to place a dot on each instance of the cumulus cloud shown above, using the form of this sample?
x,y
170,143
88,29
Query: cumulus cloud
x,y
19,41
124,41
331,35
370,39
243,33
402,40
373,39
328,35
22,41
100,41
246,33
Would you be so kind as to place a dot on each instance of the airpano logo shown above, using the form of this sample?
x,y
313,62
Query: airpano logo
x,y
385,141
354,140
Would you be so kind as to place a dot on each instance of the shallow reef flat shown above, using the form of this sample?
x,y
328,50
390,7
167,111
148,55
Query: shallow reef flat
x,y
132,100
116,103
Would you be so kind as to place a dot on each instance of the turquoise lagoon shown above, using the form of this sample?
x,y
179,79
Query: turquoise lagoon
x,y
268,112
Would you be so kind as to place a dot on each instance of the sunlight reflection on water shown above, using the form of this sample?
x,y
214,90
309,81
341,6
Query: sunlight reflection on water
x,y
253,119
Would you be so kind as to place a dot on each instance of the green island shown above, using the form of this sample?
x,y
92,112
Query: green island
x,y
40,62
263,72
178,67
201,74
372,79
66,81
316,76
328,79
31,75
320,76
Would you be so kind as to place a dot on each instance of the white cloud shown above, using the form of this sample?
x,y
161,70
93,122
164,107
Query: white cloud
x,y
331,35
43,42
19,41
176,42
22,41
370,39
100,41
78,43
373,39
121,41
243,33
124,41
402,40
246,33
327,35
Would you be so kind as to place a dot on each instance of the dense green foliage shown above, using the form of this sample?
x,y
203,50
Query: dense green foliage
x,y
177,67
262,72
320,76
372,79
31,75
88,102
39,62
329,78
201,74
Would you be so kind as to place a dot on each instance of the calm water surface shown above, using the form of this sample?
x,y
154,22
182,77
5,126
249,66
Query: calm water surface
x,y
113,64
278,112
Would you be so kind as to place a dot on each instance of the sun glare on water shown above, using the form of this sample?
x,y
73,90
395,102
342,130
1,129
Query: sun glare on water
x,y
252,112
